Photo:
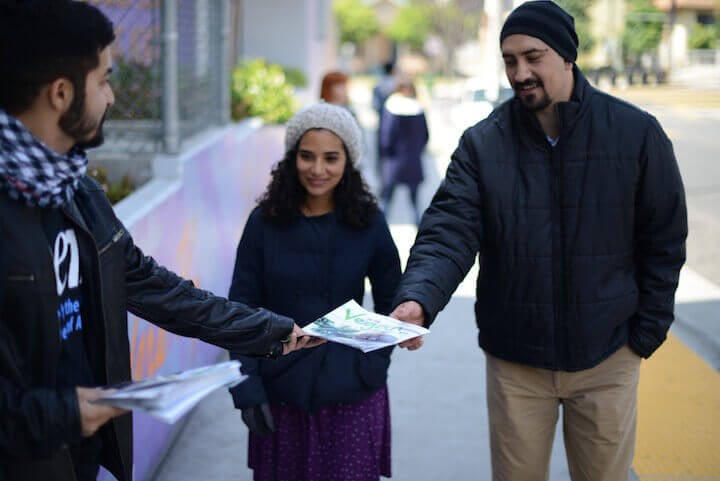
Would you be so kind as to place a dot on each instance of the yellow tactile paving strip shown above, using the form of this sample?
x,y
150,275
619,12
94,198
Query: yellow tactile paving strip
x,y
670,96
678,417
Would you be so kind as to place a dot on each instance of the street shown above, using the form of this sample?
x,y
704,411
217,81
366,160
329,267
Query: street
x,y
694,133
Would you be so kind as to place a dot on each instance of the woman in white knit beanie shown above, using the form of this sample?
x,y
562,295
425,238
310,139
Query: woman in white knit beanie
x,y
316,235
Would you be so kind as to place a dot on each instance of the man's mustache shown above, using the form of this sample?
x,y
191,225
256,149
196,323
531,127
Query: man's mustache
x,y
528,83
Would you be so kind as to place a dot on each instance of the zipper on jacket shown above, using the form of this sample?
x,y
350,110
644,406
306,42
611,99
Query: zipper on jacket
x,y
558,264
564,290
21,277
116,237
100,306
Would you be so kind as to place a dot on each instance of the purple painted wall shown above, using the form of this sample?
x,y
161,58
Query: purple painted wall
x,y
195,232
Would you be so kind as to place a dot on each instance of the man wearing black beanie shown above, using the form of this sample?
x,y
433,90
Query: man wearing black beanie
x,y
574,203
545,20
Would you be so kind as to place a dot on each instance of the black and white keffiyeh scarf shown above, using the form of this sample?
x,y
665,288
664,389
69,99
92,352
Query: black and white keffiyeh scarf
x,y
33,173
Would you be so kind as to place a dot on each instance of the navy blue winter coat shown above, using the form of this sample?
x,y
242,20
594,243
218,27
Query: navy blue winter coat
x,y
403,137
580,245
304,270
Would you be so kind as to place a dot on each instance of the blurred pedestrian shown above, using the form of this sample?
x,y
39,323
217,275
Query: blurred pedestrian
x,y
574,203
308,247
334,90
384,87
403,137
69,269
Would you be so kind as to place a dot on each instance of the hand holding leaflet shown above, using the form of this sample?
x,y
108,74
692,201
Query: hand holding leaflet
x,y
352,325
411,312
169,397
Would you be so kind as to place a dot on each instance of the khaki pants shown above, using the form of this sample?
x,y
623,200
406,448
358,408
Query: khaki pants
x,y
599,418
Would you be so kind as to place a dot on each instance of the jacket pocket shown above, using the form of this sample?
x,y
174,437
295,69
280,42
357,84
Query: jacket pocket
x,y
373,366
57,467
23,317
21,278
13,363
348,375
113,240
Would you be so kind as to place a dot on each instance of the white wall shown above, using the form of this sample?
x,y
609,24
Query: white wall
x,y
292,33
675,45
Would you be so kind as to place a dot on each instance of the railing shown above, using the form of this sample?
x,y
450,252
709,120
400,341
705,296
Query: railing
x,y
704,57
171,70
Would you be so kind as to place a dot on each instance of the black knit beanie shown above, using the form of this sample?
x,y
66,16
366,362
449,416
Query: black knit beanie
x,y
544,19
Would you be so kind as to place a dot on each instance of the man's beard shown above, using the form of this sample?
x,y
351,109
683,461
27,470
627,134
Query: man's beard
x,y
86,133
533,102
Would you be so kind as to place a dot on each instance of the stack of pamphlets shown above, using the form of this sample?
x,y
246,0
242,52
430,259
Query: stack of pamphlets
x,y
169,397
354,326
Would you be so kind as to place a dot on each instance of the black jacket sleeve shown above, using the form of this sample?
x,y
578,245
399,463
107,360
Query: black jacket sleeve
x,y
448,238
660,233
35,421
174,304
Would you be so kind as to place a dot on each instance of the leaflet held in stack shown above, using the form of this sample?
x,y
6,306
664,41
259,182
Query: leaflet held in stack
x,y
170,397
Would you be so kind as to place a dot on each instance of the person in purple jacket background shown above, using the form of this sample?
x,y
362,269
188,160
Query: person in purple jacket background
x,y
403,137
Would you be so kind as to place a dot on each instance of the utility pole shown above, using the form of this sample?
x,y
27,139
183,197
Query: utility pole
x,y
492,50
170,110
672,16
614,17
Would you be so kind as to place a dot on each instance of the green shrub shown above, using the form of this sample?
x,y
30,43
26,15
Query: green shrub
x,y
295,76
704,37
115,191
260,89
412,25
136,87
356,21
643,29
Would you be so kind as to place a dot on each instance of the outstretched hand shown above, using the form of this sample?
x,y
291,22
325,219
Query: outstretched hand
x,y
412,312
93,416
299,340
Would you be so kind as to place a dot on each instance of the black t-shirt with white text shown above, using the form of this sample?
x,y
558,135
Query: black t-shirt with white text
x,y
73,367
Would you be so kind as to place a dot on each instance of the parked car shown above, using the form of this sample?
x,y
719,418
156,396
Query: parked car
x,y
478,100
504,93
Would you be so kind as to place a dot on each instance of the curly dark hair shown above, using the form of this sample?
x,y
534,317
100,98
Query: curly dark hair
x,y
281,202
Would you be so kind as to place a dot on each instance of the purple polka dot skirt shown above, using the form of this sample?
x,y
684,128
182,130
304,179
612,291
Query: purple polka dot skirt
x,y
342,442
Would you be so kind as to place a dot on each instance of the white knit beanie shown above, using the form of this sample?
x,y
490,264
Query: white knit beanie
x,y
334,118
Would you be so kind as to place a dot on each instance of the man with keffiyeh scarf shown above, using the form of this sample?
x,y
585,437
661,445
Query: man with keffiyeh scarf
x,y
69,270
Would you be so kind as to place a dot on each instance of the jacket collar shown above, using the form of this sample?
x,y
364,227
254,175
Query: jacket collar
x,y
73,212
567,112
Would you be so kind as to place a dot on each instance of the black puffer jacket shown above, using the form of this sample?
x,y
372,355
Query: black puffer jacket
x,y
37,421
580,245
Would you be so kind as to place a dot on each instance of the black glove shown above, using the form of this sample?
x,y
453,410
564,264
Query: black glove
x,y
259,419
